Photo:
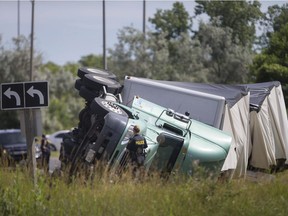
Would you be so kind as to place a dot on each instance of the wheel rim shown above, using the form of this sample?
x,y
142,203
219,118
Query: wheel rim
x,y
93,70
111,107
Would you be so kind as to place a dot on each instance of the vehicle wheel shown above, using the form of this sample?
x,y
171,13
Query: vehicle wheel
x,y
94,82
103,73
85,121
67,149
87,94
100,106
78,84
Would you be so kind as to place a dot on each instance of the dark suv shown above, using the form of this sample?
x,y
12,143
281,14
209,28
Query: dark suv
x,y
12,145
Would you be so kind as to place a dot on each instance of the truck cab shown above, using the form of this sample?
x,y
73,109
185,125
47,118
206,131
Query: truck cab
x,y
175,142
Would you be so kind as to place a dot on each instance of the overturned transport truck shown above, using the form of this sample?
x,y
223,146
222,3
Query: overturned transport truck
x,y
175,141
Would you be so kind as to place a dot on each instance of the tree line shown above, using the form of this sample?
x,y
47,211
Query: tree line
x,y
224,49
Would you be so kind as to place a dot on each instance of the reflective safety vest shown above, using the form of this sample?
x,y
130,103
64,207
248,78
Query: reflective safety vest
x,y
137,144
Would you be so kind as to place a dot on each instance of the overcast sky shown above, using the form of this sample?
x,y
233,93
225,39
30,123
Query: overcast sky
x,y
66,30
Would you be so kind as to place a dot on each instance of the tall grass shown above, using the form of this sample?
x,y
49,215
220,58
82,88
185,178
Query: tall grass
x,y
110,195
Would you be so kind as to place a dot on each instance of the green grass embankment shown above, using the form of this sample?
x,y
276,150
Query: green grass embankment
x,y
18,196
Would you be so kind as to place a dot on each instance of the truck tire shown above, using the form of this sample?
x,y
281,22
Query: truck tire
x,y
66,151
88,94
94,82
78,84
98,72
101,107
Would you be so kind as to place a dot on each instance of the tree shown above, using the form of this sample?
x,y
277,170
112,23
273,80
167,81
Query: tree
x,y
15,62
273,21
150,56
241,16
272,63
212,55
173,22
225,61
64,102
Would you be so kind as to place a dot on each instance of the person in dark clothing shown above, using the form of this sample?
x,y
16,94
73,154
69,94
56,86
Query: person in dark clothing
x,y
45,149
136,149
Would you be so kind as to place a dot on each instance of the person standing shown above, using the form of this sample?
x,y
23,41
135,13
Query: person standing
x,y
136,150
45,149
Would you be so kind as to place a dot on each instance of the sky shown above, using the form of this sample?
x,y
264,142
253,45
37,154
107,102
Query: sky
x,y
66,30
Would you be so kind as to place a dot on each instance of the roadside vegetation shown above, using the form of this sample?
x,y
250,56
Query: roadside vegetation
x,y
154,196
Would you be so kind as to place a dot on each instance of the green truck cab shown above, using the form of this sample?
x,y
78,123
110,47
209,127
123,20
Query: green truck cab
x,y
175,141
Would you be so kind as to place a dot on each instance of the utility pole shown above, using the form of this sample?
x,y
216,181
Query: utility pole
x,y
104,38
144,17
18,19
29,114
32,41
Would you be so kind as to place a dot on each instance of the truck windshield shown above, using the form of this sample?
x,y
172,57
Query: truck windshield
x,y
11,138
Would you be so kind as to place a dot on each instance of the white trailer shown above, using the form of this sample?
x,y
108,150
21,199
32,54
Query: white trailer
x,y
204,107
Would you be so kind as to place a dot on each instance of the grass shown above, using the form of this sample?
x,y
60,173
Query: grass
x,y
154,196
55,154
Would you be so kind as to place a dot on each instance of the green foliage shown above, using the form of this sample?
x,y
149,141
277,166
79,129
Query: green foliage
x,y
214,54
15,62
174,22
151,57
94,61
65,104
52,67
180,196
71,68
241,16
273,21
272,63
226,61
9,119
278,45
209,57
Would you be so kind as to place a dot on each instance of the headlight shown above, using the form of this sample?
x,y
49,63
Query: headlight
x,y
128,135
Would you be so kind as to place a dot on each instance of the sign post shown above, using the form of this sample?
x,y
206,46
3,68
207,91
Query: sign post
x,y
26,95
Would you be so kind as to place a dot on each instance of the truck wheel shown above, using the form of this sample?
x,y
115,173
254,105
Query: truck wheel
x,y
97,82
78,84
103,73
87,94
100,106
84,119
68,146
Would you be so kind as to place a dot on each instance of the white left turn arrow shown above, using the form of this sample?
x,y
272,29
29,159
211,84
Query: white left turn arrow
x,y
31,91
10,93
